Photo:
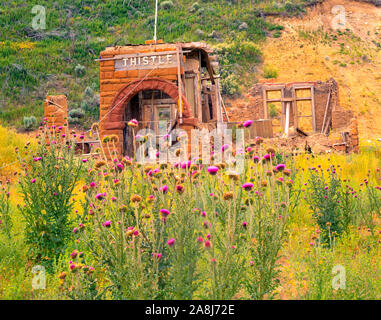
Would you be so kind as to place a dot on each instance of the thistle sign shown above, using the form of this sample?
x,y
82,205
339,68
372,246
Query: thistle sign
x,y
145,61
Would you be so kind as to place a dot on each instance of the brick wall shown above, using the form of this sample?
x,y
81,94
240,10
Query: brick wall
x,y
55,111
341,118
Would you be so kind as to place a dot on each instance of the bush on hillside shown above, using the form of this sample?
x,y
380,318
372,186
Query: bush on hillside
x,y
79,70
166,5
29,123
76,116
269,72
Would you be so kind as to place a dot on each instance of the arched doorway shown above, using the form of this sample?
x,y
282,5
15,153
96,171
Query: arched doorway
x,y
154,110
128,104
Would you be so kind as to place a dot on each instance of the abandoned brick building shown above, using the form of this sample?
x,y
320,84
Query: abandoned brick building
x,y
300,108
144,82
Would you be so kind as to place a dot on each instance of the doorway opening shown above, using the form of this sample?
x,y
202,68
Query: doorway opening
x,y
154,110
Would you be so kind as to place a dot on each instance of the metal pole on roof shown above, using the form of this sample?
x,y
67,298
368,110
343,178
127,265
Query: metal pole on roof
x,y
154,36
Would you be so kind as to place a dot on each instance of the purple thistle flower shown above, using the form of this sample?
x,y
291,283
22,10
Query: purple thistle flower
x,y
267,157
106,224
171,242
213,170
100,196
180,188
248,123
224,147
280,167
256,159
164,189
164,213
247,186
157,255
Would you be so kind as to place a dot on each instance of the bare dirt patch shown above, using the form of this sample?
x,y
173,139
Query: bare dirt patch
x,y
310,49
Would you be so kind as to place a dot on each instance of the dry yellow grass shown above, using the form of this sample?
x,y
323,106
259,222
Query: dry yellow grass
x,y
9,140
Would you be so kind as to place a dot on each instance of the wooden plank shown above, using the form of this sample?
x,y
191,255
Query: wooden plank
x,y
283,120
295,109
287,124
304,98
301,132
224,107
265,111
326,110
313,109
327,125
274,87
158,101
220,103
180,102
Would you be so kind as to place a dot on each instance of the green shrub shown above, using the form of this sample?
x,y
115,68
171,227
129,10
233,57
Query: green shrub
x,y
74,120
277,34
79,70
294,9
334,204
166,5
235,58
269,72
273,110
194,7
29,123
89,104
50,175
275,27
76,113
5,218
89,92
230,85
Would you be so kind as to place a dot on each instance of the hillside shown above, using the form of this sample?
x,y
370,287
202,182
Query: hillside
x,y
60,58
310,49
288,40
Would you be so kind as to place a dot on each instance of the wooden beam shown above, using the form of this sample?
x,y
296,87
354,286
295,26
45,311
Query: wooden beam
x,y
265,111
295,109
287,124
180,102
326,111
313,109
327,125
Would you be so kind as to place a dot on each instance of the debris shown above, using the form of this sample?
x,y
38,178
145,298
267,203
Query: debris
x,y
301,132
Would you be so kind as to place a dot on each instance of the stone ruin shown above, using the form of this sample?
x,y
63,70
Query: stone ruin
x,y
293,115
301,112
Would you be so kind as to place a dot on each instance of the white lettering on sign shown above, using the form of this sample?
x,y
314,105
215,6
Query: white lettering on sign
x,y
145,62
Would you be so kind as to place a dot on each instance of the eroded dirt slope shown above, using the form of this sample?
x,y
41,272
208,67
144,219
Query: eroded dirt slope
x,y
311,49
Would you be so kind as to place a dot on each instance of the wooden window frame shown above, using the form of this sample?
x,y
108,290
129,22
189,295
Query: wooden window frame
x,y
267,88
311,98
